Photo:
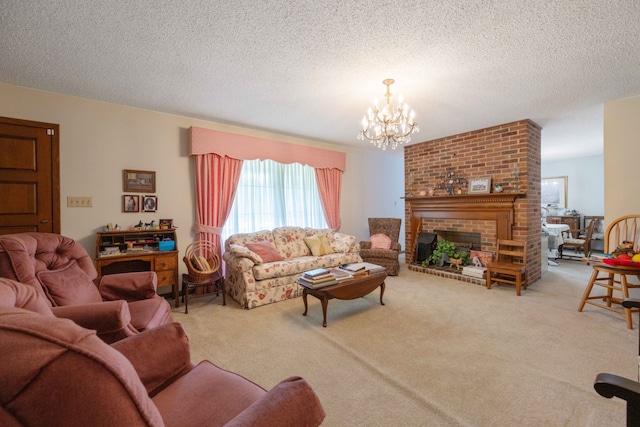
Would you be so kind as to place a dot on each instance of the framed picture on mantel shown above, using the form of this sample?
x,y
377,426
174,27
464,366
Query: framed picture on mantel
x,y
480,185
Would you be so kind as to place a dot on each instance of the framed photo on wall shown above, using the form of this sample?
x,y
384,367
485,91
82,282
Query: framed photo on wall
x,y
480,185
553,191
149,204
130,203
139,181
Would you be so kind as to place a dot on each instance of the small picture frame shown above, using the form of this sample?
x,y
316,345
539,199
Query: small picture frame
x,y
149,203
480,185
139,181
166,224
130,203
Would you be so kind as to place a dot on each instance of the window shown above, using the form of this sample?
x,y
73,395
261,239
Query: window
x,y
272,194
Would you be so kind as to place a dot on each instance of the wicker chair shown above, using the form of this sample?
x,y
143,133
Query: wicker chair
x,y
387,258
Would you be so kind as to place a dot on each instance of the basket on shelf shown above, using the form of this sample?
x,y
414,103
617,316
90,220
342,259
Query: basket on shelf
x,y
201,260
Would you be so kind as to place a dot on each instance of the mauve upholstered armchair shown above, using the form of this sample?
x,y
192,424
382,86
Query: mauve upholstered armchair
x,y
59,268
56,373
388,258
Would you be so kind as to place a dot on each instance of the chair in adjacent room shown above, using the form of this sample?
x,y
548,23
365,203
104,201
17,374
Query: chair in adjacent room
x,y
623,231
611,385
510,265
54,372
383,247
58,267
577,240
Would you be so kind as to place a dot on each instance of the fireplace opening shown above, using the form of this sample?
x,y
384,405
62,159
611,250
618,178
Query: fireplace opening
x,y
464,241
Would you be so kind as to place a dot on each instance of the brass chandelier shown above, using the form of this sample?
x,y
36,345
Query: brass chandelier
x,y
388,125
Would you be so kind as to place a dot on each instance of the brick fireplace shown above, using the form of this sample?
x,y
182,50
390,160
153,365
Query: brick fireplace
x,y
510,155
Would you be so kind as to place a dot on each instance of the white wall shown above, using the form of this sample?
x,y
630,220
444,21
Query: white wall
x,y
621,154
98,140
585,182
376,193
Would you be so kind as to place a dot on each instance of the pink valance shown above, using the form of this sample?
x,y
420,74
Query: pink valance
x,y
242,147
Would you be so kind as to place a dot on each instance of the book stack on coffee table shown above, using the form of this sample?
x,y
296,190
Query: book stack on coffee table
x,y
317,278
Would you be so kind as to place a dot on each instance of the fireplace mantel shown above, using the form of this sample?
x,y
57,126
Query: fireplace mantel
x,y
498,207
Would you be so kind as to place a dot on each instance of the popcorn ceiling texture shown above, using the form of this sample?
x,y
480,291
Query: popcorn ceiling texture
x,y
311,68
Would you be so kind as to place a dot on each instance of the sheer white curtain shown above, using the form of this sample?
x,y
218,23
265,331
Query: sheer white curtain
x,y
272,194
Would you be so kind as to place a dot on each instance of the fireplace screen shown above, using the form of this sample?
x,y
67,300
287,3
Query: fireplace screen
x,y
426,244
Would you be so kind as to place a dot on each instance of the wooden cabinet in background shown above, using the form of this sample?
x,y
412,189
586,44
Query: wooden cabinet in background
x,y
573,221
151,250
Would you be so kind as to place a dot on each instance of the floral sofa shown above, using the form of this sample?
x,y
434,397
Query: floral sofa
x,y
253,279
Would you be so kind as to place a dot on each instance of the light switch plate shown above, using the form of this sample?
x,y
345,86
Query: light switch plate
x,y
79,202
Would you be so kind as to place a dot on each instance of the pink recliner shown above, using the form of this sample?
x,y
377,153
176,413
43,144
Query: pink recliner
x,y
116,305
56,373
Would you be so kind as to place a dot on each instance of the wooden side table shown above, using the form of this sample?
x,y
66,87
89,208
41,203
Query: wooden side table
x,y
187,284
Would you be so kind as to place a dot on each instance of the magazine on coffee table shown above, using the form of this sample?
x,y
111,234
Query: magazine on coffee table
x,y
353,267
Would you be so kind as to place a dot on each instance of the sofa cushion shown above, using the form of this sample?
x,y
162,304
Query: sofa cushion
x,y
380,241
289,242
68,285
265,250
318,245
342,242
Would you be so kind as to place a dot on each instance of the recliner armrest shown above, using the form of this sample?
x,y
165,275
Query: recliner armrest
x,y
110,319
291,403
158,355
365,245
132,286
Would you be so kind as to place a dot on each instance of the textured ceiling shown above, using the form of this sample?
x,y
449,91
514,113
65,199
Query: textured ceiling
x,y
311,68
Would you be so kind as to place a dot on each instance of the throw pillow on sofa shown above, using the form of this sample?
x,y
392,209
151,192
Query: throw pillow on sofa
x,y
380,241
265,250
318,245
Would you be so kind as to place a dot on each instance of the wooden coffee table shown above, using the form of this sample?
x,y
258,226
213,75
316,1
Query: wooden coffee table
x,y
349,289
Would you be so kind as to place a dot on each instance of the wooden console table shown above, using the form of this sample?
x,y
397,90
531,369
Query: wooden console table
x,y
498,207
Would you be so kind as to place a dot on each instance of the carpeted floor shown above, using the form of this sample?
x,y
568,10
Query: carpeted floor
x,y
439,353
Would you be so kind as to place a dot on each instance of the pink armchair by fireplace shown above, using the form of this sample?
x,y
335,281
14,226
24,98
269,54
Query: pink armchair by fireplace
x,y
59,268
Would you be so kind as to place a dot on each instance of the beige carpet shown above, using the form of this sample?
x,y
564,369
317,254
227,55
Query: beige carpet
x,y
439,353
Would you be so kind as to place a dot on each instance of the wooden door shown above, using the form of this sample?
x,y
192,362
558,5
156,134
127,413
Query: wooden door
x,y
29,176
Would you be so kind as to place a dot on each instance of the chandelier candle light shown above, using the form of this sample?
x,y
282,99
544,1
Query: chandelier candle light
x,y
389,125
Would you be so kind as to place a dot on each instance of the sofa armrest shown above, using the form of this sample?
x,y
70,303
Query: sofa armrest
x,y
133,286
396,246
110,319
158,355
291,403
238,264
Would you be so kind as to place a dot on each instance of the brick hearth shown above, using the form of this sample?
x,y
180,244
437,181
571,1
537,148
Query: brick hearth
x,y
448,273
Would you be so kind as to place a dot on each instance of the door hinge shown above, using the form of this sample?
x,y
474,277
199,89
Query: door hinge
x,y
50,132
